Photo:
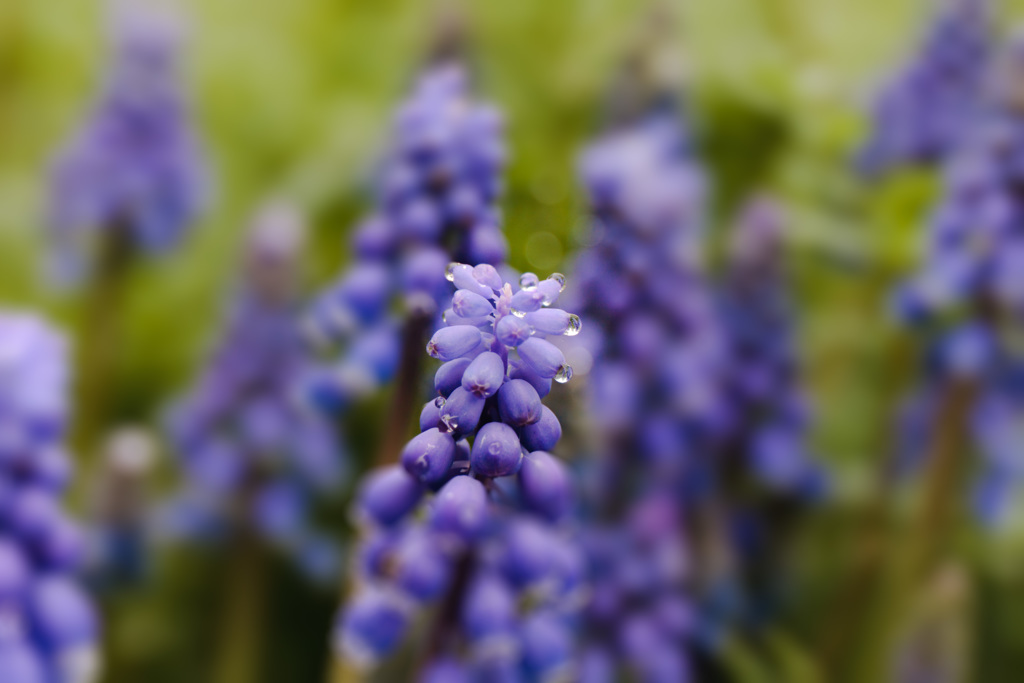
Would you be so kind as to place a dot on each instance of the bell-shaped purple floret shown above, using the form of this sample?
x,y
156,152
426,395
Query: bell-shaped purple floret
x,y
542,357
428,456
518,403
485,375
449,343
542,435
460,414
388,495
496,451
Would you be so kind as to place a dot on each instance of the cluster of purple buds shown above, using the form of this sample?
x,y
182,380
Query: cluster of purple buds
x,y
244,438
488,544
768,415
436,201
923,113
133,173
48,626
640,618
969,292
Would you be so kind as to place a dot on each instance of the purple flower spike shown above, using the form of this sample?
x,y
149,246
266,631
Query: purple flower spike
x,y
53,626
474,505
496,451
429,455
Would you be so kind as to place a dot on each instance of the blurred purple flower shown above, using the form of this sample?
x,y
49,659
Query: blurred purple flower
x,y
133,173
50,627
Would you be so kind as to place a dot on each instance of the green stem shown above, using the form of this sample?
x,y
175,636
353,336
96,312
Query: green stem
x,y
914,547
101,339
238,658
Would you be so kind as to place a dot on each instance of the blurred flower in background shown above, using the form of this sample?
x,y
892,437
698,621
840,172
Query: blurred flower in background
x,y
252,453
50,627
132,178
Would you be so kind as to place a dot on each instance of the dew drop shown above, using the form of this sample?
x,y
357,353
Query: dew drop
x,y
451,422
517,313
574,326
439,402
528,281
444,316
560,279
449,271
564,374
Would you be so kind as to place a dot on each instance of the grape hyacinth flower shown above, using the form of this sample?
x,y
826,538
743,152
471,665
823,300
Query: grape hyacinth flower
x,y
252,453
436,193
768,417
968,292
922,114
50,627
471,519
653,407
132,178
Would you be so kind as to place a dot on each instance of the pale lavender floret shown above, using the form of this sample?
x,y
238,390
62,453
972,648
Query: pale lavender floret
x,y
544,358
449,343
467,304
549,320
485,375
513,331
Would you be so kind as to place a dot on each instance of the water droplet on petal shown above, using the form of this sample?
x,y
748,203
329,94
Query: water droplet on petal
x,y
444,316
439,402
528,281
574,326
517,313
451,422
449,271
564,374
560,279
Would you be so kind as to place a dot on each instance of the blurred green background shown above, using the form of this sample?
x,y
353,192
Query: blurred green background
x,y
293,100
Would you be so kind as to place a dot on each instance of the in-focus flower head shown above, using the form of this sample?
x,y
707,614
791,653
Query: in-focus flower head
x,y
491,531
